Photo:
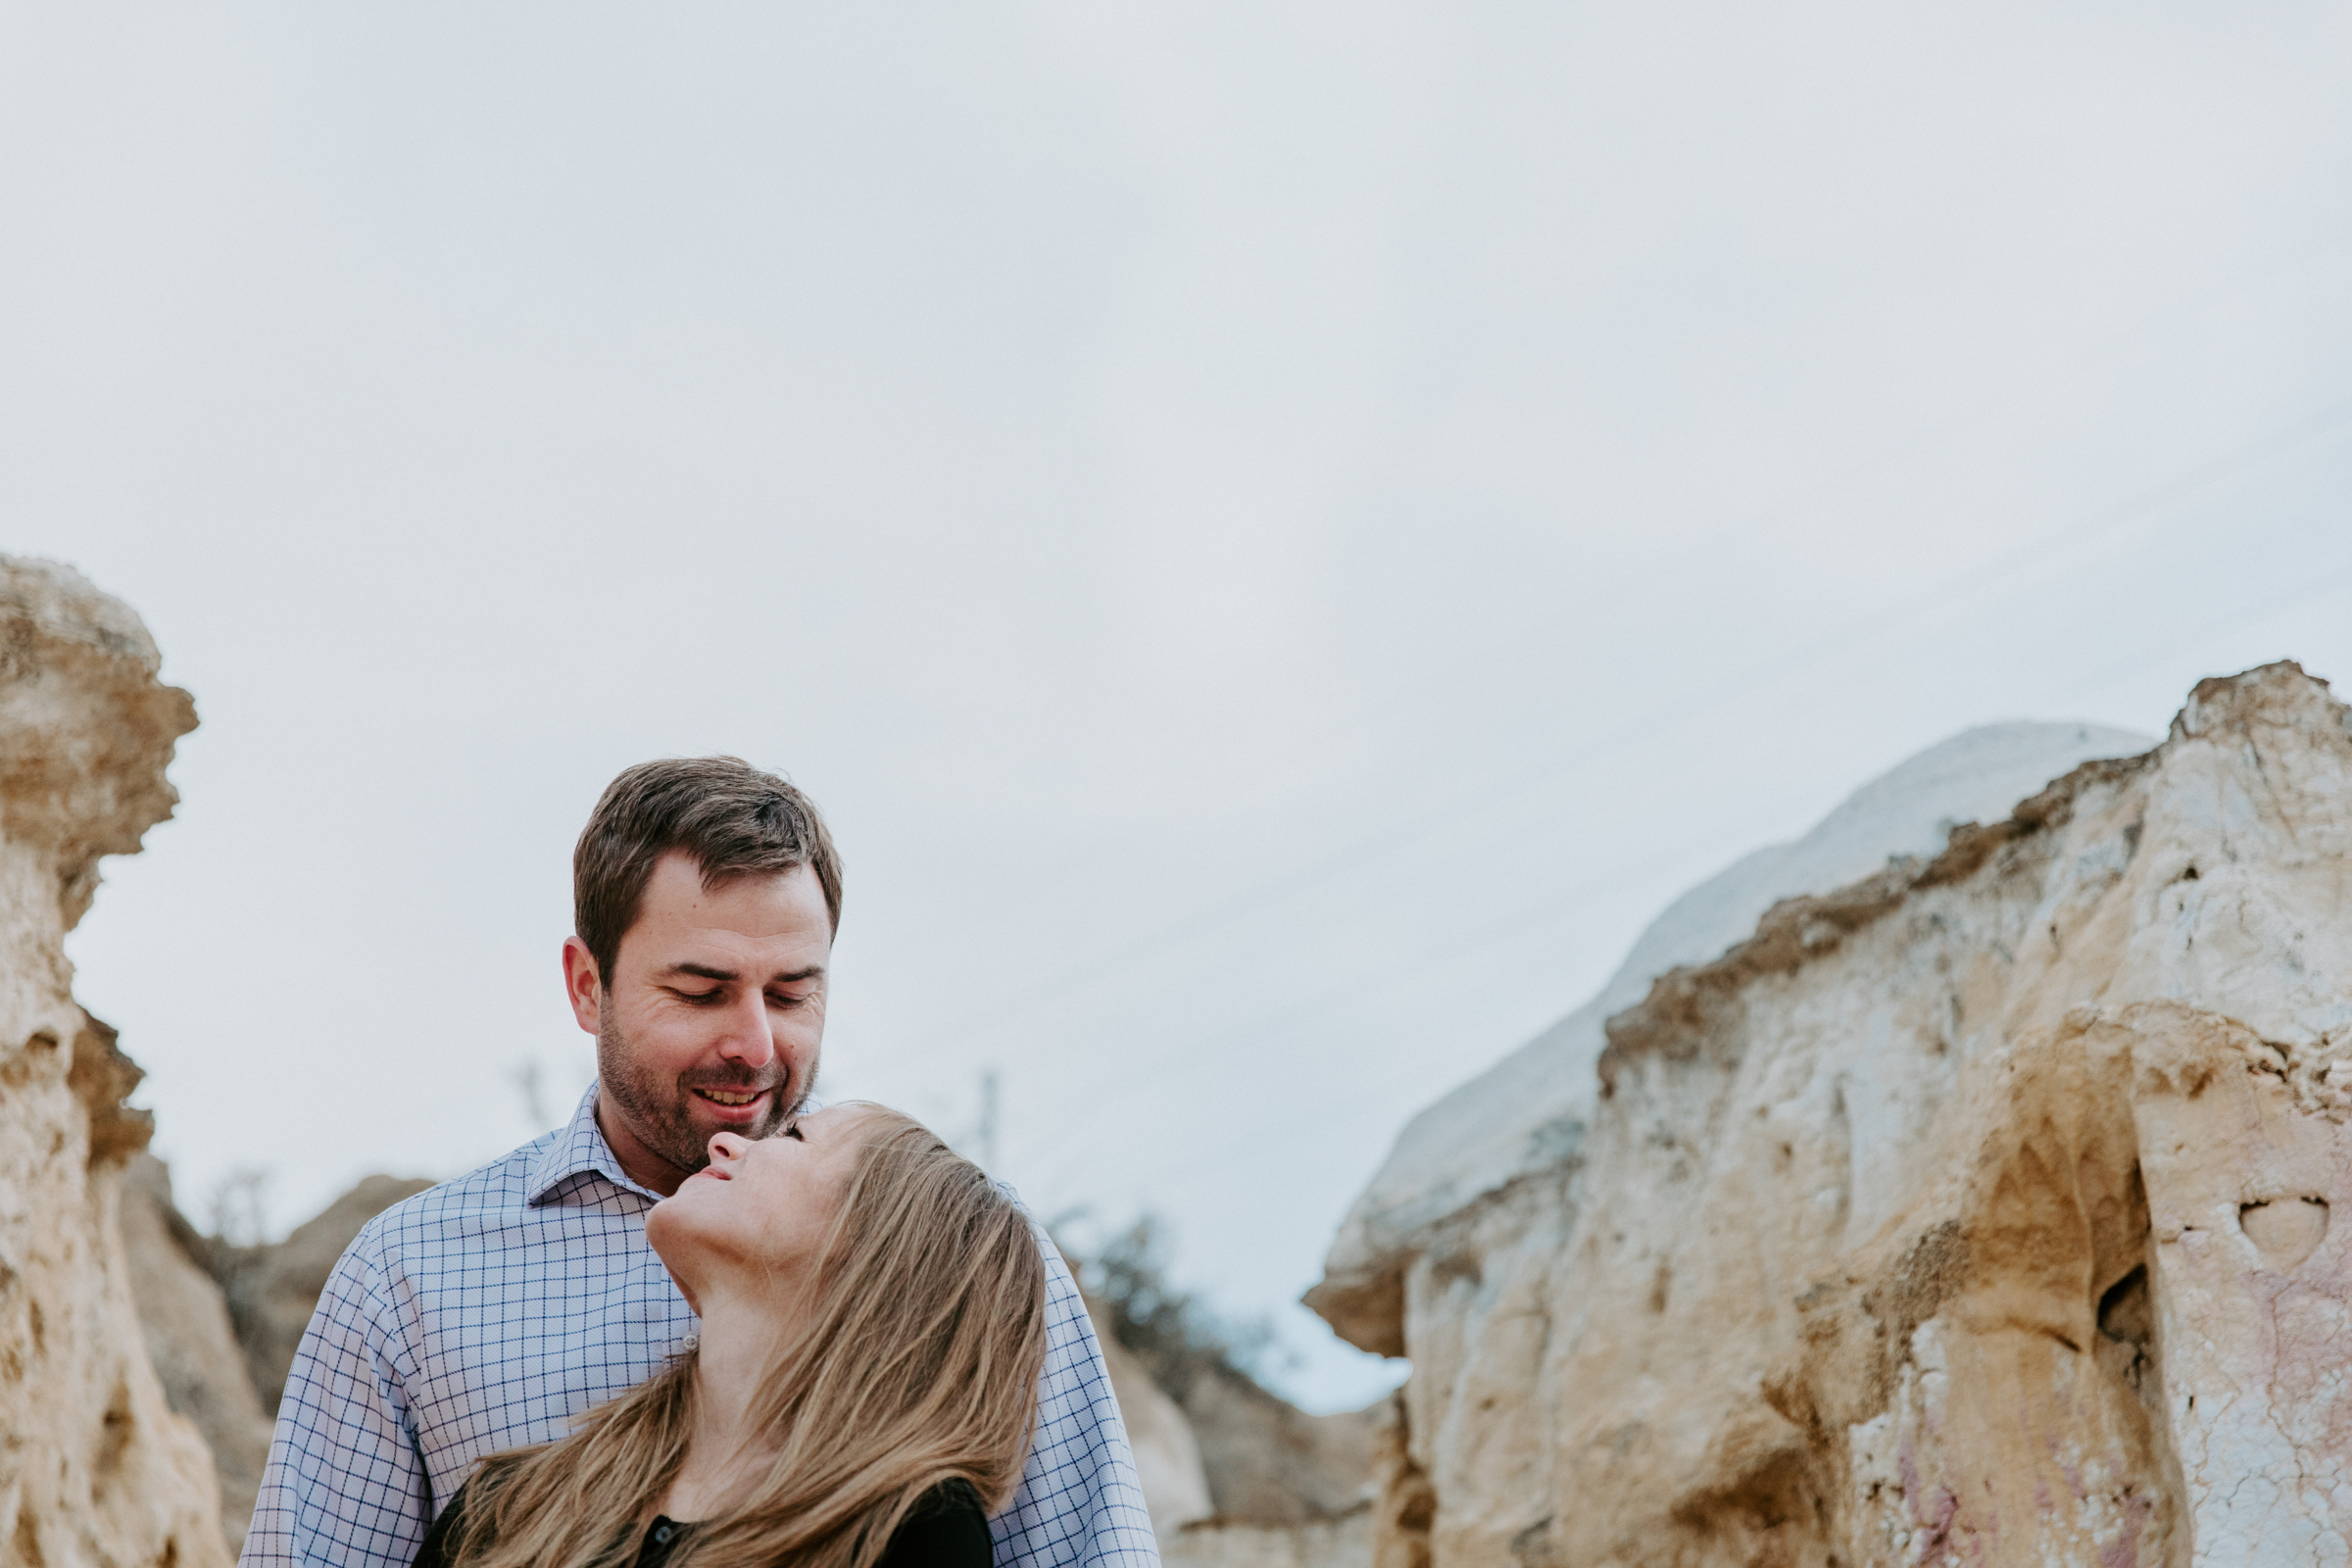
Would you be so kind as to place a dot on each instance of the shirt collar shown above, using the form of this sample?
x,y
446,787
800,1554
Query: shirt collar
x,y
577,1149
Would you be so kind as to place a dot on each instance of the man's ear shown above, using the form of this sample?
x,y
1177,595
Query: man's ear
x,y
582,987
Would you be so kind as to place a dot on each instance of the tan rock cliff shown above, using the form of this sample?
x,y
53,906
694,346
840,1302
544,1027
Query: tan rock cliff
x,y
222,1322
1977,1211
1167,1455
95,1468
191,1340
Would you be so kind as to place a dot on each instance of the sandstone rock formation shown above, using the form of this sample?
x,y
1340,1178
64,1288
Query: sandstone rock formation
x,y
1300,1491
1168,1457
222,1322
1343,1541
94,1467
191,1340
1268,1462
1976,1211
1211,1444
1257,1458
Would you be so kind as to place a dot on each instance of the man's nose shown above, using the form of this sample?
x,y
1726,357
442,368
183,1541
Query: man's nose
x,y
747,1038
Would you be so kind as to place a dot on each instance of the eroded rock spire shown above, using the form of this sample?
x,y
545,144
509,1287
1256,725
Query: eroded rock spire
x,y
95,1468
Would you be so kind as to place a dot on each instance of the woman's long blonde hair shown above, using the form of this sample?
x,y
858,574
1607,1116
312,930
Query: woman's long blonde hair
x,y
916,1363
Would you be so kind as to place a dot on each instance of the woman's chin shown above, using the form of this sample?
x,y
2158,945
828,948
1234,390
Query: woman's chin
x,y
667,1227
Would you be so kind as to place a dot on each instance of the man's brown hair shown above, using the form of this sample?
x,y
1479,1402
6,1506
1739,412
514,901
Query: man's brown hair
x,y
734,820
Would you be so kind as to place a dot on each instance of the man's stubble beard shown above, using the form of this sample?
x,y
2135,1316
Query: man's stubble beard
x,y
662,1116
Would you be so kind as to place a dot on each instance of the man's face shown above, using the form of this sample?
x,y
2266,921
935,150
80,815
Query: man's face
x,y
713,1017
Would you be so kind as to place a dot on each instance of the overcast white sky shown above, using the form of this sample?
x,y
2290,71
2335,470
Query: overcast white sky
x,y
1280,534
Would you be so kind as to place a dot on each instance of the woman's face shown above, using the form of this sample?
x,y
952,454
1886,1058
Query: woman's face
x,y
760,1207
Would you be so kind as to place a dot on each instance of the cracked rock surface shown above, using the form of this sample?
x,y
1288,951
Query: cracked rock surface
x,y
1989,1208
95,1468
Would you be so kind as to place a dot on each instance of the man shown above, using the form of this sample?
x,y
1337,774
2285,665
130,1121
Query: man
x,y
491,1310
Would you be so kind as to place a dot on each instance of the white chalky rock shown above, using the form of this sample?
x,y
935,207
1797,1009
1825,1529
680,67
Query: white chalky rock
x,y
1985,1209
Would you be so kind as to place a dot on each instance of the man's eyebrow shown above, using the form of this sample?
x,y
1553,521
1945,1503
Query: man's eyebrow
x,y
705,972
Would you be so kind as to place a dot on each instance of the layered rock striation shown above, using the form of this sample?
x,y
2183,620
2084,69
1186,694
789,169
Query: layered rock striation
x,y
95,1468
1979,1211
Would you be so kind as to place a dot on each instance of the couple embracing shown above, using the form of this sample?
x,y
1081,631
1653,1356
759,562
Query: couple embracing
x,y
704,1325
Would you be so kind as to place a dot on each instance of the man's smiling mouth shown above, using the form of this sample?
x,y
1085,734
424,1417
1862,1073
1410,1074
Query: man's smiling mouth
x,y
740,1110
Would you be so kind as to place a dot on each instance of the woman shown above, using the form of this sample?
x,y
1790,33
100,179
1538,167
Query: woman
x,y
862,1393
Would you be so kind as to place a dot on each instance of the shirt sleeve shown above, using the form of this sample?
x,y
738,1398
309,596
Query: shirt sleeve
x,y
1079,1504
345,1487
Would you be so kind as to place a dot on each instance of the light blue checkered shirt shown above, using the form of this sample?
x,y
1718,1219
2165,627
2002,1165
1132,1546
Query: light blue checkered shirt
x,y
490,1310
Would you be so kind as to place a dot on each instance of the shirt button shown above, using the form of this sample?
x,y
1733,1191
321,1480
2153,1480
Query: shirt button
x,y
661,1534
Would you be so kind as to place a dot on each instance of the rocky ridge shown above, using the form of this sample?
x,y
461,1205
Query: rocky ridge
x,y
192,1340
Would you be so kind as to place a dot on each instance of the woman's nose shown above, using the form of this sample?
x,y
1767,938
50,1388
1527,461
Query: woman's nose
x,y
727,1146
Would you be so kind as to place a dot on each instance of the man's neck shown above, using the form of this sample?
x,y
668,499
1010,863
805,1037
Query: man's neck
x,y
638,1163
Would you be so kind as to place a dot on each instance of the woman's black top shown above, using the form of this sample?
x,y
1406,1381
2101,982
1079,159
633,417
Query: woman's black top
x,y
945,1530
